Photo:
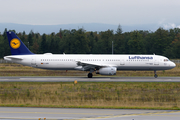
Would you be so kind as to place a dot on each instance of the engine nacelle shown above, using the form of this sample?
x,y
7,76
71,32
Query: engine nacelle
x,y
107,71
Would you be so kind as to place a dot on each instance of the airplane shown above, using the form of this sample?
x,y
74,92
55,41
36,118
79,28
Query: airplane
x,y
101,64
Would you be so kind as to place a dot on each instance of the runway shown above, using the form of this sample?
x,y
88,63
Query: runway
x,y
85,79
86,114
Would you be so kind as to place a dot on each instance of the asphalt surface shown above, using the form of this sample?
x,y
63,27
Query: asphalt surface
x,y
85,79
14,113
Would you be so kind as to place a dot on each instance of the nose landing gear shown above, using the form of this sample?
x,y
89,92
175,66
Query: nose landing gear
x,y
155,75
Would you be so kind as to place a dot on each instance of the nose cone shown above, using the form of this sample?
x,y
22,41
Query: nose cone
x,y
173,65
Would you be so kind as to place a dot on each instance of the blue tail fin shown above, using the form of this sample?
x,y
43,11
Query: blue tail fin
x,y
16,45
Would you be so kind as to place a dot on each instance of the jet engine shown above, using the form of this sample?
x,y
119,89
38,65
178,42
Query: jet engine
x,y
107,71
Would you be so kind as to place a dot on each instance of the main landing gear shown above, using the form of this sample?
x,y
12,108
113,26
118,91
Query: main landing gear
x,y
155,75
90,75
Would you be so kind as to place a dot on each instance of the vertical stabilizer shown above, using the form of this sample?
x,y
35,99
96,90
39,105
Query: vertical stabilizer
x,y
16,45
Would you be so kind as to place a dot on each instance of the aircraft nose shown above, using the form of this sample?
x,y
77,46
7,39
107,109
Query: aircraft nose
x,y
173,64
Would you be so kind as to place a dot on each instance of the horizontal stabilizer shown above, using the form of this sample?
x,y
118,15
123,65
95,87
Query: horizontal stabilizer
x,y
13,57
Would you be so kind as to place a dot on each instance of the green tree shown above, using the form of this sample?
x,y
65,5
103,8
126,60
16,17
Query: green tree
x,y
44,46
30,38
119,30
81,43
136,44
172,51
2,52
105,43
160,41
6,44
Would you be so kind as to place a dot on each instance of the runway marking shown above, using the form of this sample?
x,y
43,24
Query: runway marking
x,y
136,114
168,115
23,118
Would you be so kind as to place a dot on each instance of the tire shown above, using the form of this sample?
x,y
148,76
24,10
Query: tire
x,y
90,75
155,75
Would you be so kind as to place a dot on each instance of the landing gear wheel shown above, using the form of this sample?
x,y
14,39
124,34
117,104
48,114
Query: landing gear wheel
x,y
155,75
90,75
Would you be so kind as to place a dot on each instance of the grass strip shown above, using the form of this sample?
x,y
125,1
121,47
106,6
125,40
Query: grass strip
x,y
114,95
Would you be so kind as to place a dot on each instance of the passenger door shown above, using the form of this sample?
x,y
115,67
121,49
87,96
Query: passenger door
x,y
122,62
33,61
156,61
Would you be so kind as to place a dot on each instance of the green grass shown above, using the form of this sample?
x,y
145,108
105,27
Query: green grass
x,y
124,95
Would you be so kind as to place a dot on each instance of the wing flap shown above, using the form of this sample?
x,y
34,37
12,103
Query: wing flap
x,y
90,65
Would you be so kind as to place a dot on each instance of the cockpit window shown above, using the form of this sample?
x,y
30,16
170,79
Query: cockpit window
x,y
165,60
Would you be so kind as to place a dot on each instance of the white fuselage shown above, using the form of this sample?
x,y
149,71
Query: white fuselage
x,y
69,62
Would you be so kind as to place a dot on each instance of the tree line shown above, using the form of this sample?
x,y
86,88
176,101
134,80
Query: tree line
x,y
161,42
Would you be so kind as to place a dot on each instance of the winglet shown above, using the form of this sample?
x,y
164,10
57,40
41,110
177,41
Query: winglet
x,y
16,45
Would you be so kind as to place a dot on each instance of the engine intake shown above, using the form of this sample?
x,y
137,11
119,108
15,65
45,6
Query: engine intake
x,y
107,71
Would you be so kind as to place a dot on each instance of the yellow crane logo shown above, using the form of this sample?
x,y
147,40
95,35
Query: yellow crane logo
x,y
15,43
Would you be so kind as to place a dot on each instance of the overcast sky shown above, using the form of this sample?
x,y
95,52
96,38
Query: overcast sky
x,y
124,12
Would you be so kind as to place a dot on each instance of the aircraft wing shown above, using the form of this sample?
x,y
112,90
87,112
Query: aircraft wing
x,y
82,65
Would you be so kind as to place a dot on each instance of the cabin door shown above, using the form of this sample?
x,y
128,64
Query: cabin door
x,y
156,62
122,62
33,61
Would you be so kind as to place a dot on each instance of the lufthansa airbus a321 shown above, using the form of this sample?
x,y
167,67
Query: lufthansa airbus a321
x,y
101,64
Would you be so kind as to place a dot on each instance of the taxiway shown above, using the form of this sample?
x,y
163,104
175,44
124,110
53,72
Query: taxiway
x,y
86,114
85,79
